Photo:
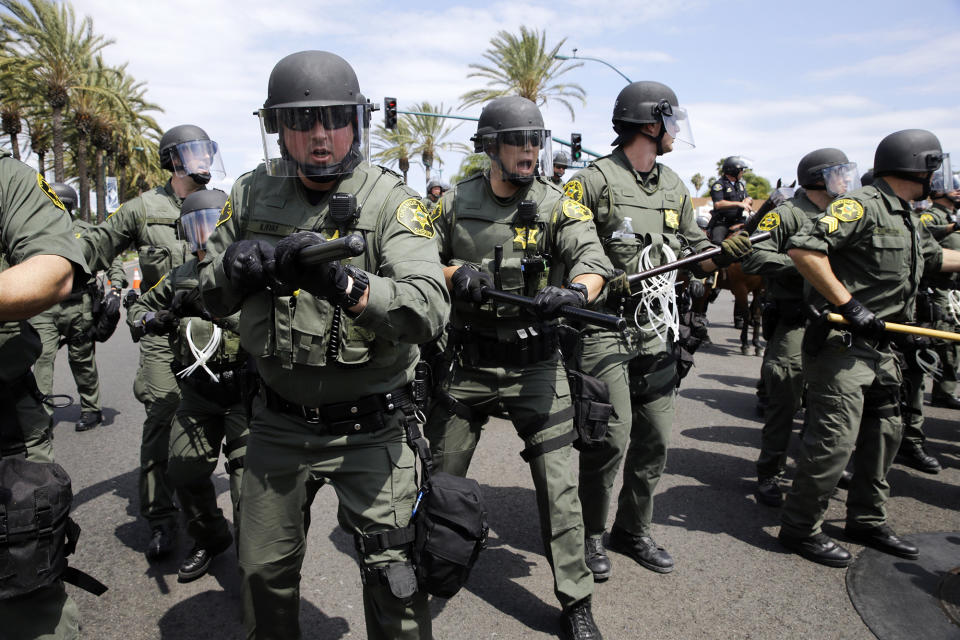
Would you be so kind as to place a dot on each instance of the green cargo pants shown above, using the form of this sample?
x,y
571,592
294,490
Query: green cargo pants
x,y
71,319
20,404
373,475
156,387
946,386
782,373
643,393
912,396
202,423
528,395
45,614
852,401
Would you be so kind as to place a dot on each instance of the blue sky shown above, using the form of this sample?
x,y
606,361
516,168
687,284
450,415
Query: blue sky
x,y
767,80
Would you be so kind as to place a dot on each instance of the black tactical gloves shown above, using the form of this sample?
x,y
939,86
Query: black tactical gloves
x,y
326,280
159,322
248,264
733,249
111,303
469,283
696,288
186,304
130,298
862,321
550,299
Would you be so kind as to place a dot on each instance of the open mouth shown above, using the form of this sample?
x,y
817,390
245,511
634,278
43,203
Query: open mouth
x,y
525,166
321,154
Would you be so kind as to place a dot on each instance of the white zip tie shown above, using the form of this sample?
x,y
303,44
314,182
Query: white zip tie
x,y
658,297
202,355
929,363
953,298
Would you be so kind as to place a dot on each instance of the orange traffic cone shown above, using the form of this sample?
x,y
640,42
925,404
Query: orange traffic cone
x,y
136,278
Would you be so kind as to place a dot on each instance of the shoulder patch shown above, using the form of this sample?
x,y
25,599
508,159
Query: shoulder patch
x,y
831,223
47,189
574,190
769,221
437,210
846,210
576,211
226,213
717,186
926,218
671,218
414,216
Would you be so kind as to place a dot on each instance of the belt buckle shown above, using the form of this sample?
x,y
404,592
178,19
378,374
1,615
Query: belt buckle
x,y
310,414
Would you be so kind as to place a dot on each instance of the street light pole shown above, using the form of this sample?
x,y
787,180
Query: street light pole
x,y
576,57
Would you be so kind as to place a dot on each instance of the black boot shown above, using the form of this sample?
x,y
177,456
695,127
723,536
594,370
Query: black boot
x,y
597,559
161,542
88,420
883,539
817,548
576,622
198,560
642,549
768,491
945,401
914,455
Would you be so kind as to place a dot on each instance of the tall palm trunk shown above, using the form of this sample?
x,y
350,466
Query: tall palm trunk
x,y
12,127
56,125
41,163
101,186
84,186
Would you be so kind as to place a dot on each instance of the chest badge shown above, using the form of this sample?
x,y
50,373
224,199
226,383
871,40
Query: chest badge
x,y
769,221
671,218
846,210
525,236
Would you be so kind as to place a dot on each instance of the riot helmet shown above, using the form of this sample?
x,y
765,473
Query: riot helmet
x,y
511,132
944,183
867,178
648,102
828,170
187,150
434,184
66,194
911,154
199,213
314,122
560,159
733,165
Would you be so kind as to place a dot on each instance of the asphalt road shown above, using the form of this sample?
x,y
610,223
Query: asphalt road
x,y
732,580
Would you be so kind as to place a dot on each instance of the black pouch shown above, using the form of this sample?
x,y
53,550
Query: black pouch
x,y
817,331
451,529
591,409
769,319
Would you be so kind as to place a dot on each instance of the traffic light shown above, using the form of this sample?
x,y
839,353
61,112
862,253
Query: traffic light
x,y
575,146
390,113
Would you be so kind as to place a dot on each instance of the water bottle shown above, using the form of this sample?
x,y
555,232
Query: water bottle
x,y
625,230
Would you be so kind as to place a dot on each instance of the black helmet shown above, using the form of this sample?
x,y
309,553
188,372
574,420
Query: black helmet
x,y
867,178
305,87
66,194
908,151
517,121
187,150
734,165
810,169
433,183
199,213
560,159
649,102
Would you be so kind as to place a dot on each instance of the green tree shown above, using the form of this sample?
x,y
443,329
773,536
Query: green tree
x,y
49,35
396,146
523,65
429,134
472,164
697,181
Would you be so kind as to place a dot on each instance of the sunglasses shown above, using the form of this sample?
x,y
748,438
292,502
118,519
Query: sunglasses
x,y
304,118
521,138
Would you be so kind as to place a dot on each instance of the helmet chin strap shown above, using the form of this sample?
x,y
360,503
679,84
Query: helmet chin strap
x,y
515,179
200,178
326,173
917,178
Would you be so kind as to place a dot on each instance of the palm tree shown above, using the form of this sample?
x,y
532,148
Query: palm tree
x,y
429,133
395,145
523,66
38,128
17,95
48,33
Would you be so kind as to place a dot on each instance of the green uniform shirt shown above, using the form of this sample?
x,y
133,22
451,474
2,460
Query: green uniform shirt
x,y
556,247
147,222
769,257
186,277
937,220
33,222
875,249
657,204
290,336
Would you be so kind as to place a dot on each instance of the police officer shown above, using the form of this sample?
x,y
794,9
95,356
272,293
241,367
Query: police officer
x,y
560,163
149,223
731,204
865,256
72,322
507,357
823,174
434,191
945,198
39,262
209,365
335,344
638,202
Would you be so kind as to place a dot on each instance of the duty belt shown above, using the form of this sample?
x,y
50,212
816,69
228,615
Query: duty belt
x,y
537,343
363,415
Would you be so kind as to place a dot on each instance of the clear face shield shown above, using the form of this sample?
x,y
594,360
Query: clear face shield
x,y
841,178
677,123
519,153
196,226
198,159
942,180
320,143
